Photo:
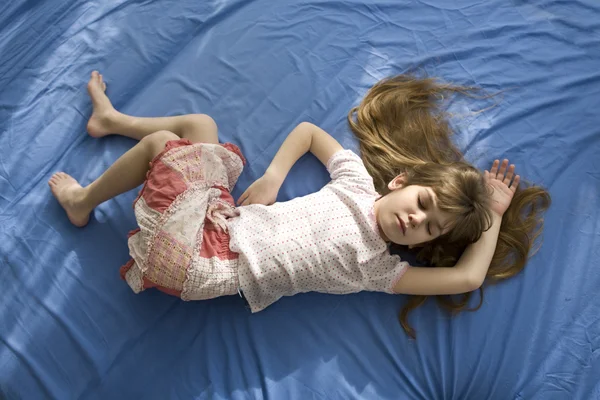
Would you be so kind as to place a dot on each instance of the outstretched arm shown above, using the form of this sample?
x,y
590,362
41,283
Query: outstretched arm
x,y
304,138
469,272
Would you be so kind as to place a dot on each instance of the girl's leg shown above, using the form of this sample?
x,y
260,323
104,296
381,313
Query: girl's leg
x,y
127,173
105,120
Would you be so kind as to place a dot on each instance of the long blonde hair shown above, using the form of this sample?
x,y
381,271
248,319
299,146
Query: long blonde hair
x,y
401,127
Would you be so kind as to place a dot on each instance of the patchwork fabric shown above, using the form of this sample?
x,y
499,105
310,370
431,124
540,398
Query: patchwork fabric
x,y
182,245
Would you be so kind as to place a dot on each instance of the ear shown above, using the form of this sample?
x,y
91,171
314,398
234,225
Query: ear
x,y
397,182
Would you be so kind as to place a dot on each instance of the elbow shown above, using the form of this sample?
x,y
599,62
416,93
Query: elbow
x,y
473,282
307,129
306,125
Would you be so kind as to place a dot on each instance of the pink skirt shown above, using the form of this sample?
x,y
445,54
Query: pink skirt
x,y
182,245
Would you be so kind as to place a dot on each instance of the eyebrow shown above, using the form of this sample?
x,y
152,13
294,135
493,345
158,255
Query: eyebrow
x,y
434,206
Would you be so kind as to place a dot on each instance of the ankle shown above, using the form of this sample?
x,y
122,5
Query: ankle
x,y
84,198
111,118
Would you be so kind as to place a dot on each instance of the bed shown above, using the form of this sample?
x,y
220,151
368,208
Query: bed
x,y
70,328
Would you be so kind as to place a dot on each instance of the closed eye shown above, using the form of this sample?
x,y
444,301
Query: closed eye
x,y
422,207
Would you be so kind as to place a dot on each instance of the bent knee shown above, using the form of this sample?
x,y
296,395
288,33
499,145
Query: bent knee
x,y
156,141
204,121
201,128
160,136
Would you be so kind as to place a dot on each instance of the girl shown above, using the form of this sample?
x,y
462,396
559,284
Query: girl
x,y
193,242
401,124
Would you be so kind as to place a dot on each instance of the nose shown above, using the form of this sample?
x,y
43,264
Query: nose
x,y
415,219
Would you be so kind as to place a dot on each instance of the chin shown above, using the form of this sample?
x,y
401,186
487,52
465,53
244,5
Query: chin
x,y
399,243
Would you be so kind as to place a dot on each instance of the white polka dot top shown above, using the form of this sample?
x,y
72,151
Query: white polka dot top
x,y
324,242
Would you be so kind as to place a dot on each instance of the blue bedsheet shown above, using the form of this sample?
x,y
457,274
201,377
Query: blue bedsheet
x,y
70,328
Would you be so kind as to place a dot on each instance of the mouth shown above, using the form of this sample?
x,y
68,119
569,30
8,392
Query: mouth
x,y
402,226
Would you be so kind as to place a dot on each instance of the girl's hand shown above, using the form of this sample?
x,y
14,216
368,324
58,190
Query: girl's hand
x,y
263,191
504,190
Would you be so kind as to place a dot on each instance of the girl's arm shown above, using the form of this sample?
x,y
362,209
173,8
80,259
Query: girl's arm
x,y
467,275
469,272
305,137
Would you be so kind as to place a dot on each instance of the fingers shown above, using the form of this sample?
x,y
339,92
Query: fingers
x,y
256,199
509,175
515,183
502,170
243,198
494,169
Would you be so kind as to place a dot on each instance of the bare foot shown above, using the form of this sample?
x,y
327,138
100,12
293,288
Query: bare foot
x,y
70,194
99,123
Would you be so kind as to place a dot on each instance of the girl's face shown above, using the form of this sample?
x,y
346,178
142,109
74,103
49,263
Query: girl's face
x,y
409,215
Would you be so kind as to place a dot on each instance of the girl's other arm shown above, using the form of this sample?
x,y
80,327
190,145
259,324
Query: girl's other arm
x,y
467,275
304,138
